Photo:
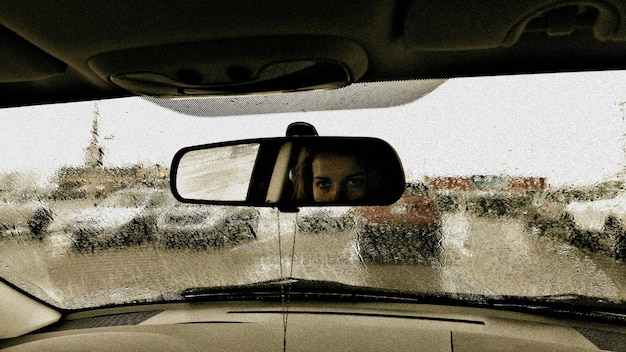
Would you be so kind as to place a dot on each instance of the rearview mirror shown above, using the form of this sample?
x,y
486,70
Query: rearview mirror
x,y
289,172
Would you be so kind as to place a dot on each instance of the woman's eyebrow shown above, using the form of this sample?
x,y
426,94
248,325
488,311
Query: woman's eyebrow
x,y
357,174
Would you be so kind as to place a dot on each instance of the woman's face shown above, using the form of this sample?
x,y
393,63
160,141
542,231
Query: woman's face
x,y
337,178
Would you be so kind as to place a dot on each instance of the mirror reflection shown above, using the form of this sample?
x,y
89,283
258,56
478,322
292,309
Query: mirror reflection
x,y
221,173
329,174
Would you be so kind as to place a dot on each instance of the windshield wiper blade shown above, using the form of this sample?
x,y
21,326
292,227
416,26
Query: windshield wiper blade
x,y
563,300
570,304
303,289
259,289
296,289
300,289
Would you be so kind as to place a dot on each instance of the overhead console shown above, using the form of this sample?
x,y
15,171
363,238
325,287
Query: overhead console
x,y
235,66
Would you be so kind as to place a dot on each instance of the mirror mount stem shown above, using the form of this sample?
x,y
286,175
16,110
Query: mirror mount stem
x,y
288,208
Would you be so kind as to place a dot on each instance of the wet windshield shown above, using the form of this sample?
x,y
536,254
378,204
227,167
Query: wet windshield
x,y
515,186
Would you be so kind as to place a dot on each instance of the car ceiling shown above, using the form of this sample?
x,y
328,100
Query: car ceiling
x,y
70,50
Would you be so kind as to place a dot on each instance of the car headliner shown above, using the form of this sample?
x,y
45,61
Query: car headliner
x,y
54,51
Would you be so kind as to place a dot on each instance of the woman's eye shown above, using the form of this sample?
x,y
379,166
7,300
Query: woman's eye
x,y
322,184
356,182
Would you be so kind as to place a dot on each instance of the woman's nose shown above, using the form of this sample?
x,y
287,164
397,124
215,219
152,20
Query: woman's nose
x,y
339,193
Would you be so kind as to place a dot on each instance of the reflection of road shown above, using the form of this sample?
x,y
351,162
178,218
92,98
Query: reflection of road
x,y
216,174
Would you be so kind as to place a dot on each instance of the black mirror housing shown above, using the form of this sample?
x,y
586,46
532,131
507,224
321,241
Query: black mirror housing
x,y
289,172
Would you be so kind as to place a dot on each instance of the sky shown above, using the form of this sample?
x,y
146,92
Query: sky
x,y
566,127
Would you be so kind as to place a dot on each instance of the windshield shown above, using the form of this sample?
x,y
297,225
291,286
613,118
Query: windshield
x,y
515,186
